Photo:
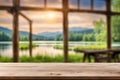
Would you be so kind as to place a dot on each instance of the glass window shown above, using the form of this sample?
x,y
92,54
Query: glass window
x,y
32,3
73,4
6,2
99,5
85,4
54,3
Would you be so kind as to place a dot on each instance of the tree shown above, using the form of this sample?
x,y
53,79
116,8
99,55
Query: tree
x,y
100,30
116,21
4,37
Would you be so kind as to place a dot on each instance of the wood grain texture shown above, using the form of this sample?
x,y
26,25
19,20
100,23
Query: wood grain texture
x,y
59,71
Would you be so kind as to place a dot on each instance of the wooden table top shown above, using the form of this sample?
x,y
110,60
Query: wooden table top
x,y
99,51
59,71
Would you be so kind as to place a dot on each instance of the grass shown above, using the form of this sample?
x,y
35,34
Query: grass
x,y
45,58
90,47
60,47
25,46
5,59
48,58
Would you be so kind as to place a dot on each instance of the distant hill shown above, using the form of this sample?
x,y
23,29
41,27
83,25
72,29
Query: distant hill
x,y
74,32
50,34
5,30
73,29
9,32
76,29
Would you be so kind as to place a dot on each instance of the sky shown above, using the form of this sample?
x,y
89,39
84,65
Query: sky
x,y
51,21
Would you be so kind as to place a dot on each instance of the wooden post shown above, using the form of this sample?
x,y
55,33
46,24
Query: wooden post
x,y
30,39
65,29
108,4
15,31
108,8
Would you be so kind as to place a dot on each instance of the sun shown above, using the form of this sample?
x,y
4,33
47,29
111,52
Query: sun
x,y
51,15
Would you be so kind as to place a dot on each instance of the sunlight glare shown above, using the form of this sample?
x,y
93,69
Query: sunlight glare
x,y
51,15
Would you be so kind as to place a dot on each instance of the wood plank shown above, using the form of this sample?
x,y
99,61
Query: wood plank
x,y
93,51
60,71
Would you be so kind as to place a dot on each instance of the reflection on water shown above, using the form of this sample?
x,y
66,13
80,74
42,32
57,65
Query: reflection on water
x,y
43,50
45,47
5,49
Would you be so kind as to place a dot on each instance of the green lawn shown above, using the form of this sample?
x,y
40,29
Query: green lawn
x,y
45,58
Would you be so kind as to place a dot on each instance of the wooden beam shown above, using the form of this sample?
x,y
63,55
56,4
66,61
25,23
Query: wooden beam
x,y
39,9
16,31
65,29
115,13
24,16
56,9
30,33
87,11
5,7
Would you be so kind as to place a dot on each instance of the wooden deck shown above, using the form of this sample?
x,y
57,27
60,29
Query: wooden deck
x,y
59,71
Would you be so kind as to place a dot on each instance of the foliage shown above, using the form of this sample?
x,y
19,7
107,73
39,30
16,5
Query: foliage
x,y
116,21
25,46
45,58
88,37
116,5
4,37
90,47
60,47
85,35
5,59
87,47
100,30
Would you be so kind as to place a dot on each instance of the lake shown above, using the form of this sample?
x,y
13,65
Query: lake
x,y
45,47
